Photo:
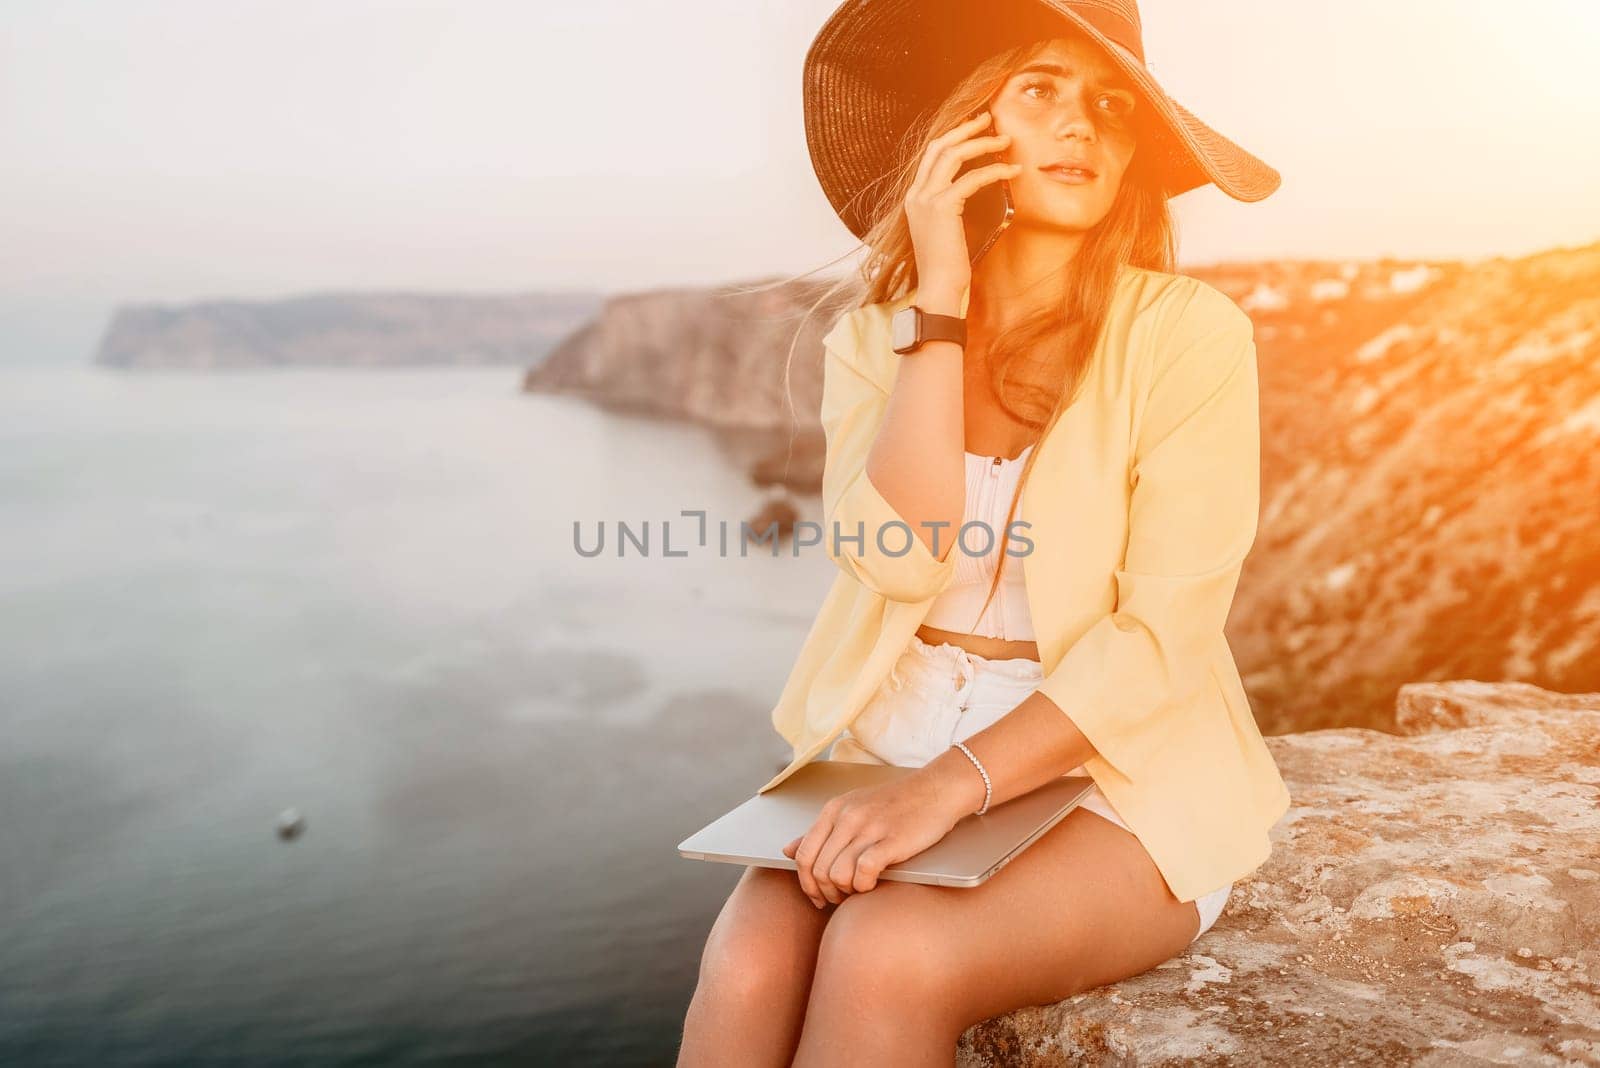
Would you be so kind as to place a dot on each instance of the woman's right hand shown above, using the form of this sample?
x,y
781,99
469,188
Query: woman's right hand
x,y
935,201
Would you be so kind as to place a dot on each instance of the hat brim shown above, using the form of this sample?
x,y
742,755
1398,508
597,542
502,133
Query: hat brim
x,y
877,65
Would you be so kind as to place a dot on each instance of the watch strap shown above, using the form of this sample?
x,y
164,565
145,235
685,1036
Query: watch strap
x,y
943,328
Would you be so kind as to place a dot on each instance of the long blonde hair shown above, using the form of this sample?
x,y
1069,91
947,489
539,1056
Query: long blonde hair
x,y
1138,231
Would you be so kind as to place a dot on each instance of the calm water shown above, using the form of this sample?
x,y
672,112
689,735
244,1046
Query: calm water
x,y
354,593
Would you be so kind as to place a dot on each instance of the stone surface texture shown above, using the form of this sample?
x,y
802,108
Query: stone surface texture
x,y
1433,898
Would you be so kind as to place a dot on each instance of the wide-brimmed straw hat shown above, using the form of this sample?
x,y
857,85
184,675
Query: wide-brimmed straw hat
x,y
876,66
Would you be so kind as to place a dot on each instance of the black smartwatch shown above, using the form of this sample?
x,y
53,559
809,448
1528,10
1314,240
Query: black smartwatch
x,y
911,328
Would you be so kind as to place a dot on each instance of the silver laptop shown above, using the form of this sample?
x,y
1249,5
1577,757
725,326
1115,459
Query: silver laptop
x,y
976,847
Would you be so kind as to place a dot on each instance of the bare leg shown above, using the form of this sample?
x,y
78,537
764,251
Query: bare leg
x,y
755,974
903,969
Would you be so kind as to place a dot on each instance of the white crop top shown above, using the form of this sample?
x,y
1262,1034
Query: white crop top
x,y
991,481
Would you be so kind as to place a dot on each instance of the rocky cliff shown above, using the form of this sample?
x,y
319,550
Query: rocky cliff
x,y
1429,483
345,330
1431,899
711,356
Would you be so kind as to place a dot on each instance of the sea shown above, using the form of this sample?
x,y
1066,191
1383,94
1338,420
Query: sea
x,y
321,742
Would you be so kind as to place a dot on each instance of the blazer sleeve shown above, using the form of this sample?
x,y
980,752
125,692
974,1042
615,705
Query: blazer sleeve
x,y
1193,509
863,532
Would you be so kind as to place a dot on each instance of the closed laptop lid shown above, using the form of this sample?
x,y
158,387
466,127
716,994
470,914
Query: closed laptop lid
x,y
977,846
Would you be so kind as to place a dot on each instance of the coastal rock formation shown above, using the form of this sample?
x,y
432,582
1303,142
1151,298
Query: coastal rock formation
x,y
710,356
1431,899
344,330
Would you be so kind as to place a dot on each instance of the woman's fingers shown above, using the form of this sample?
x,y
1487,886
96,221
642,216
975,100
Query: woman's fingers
x,y
949,164
804,856
950,136
839,839
837,832
848,871
978,177
941,163
846,849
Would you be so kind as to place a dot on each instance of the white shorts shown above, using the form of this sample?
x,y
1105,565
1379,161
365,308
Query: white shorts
x,y
937,695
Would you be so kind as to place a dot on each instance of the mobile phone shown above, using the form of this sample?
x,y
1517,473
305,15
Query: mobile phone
x,y
987,212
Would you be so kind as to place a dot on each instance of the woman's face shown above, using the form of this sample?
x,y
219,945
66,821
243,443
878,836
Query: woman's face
x,y
1067,103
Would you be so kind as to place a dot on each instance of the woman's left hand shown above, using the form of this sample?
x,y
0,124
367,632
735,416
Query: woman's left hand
x,y
863,831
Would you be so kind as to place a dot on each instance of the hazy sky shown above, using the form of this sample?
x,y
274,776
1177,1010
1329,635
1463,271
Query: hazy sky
x,y
172,150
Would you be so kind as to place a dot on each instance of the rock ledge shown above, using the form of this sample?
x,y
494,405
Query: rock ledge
x,y
1433,898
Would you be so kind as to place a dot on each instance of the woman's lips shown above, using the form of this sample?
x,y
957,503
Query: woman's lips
x,y
1068,177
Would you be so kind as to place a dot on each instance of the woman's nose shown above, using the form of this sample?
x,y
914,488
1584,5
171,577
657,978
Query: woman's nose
x,y
1073,119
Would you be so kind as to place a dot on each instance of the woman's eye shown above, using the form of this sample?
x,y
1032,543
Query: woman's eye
x,y
1121,105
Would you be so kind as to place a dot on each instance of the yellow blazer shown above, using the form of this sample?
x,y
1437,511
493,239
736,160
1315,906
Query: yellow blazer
x,y
1141,505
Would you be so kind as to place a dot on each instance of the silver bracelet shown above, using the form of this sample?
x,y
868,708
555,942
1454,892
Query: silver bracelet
x,y
987,786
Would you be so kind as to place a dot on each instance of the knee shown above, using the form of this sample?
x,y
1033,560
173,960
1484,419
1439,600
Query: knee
x,y
746,968
877,951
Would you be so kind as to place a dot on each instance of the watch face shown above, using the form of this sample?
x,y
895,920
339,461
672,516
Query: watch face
x,y
903,329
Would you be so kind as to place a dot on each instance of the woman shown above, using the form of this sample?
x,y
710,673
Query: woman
x,y
1111,406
